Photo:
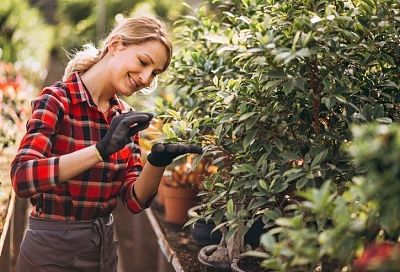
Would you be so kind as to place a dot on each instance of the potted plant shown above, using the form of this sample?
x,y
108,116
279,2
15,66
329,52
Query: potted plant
x,y
180,190
270,90
201,226
357,228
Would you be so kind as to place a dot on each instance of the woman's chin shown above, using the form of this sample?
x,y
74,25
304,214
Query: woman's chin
x,y
127,92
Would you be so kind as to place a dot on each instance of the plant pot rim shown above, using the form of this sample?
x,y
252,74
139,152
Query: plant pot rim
x,y
207,251
192,212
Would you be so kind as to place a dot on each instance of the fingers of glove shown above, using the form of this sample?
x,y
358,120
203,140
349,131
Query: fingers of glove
x,y
132,117
136,119
183,149
157,148
177,149
166,148
137,113
195,149
135,129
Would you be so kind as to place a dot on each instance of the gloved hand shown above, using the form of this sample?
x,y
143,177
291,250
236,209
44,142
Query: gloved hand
x,y
163,154
122,128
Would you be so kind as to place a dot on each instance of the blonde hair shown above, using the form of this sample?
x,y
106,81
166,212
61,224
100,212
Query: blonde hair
x,y
130,31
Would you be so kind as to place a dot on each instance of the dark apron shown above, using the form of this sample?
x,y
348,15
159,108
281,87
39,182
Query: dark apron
x,y
69,246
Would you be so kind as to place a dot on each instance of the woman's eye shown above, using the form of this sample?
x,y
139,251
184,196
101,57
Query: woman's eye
x,y
142,62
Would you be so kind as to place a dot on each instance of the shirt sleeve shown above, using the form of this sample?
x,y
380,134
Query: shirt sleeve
x,y
134,168
34,169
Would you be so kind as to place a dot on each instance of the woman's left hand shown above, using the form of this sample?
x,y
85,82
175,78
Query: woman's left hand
x,y
163,154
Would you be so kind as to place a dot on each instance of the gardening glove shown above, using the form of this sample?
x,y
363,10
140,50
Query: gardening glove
x,y
122,128
163,154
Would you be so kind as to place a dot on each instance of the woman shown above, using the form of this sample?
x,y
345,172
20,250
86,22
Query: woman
x,y
81,151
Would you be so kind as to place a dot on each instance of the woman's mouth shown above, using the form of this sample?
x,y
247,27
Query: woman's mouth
x,y
134,85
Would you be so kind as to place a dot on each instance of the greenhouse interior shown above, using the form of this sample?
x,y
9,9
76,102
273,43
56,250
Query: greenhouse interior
x,y
200,135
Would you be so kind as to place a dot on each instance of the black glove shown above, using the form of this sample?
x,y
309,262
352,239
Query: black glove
x,y
122,128
163,154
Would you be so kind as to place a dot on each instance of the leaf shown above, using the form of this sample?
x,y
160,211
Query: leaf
x,y
262,184
299,82
246,115
319,158
243,168
268,241
195,56
227,48
249,138
228,14
295,176
176,115
168,131
384,120
282,56
245,19
315,19
215,80
250,123
301,183
229,99
217,39
304,52
230,206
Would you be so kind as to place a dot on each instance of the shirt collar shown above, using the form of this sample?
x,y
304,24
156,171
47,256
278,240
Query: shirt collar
x,y
80,94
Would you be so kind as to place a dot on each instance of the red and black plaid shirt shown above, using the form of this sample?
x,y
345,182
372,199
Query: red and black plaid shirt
x,y
65,119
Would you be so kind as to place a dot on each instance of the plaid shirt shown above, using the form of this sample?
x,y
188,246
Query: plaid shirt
x,y
65,119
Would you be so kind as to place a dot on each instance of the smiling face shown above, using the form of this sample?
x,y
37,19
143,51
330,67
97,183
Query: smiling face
x,y
134,67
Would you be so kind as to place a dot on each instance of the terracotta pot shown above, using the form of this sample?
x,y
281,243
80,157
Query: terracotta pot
x,y
209,266
160,194
177,202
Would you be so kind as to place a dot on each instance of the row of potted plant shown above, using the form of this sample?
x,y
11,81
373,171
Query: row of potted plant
x,y
271,90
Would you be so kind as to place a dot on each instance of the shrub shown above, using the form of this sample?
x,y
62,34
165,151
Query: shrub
x,y
271,89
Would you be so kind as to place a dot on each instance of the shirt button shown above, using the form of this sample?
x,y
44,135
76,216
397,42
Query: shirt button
x,y
109,174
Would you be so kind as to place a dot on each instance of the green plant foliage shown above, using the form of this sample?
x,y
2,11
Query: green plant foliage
x,y
271,88
24,36
332,226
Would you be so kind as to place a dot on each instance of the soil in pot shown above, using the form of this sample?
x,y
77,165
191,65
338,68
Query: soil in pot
x,y
213,262
247,264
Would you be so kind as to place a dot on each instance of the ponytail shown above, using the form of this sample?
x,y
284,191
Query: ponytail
x,y
82,60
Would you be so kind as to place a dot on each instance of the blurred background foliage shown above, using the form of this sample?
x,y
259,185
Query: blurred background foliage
x,y
38,43
24,42
36,37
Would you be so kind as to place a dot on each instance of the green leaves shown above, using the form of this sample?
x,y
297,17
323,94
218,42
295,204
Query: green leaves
x,y
274,87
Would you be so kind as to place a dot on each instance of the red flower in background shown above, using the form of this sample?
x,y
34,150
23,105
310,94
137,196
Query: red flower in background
x,y
376,255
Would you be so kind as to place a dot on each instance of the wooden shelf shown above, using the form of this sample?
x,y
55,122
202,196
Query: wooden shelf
x,y
167,250
8,219
174,242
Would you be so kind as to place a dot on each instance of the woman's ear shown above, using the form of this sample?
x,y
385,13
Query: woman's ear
x,y
115,45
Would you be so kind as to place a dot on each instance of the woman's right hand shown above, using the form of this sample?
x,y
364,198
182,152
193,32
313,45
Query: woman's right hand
x,y
122,128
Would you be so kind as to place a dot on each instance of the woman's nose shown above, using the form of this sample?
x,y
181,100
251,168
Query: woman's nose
x,y
145,78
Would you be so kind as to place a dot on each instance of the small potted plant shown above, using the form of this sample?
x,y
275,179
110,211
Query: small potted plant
x,y
202,225
179,190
